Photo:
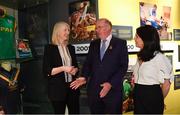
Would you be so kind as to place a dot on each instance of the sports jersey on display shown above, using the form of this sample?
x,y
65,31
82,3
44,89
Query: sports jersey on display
x,y
7,41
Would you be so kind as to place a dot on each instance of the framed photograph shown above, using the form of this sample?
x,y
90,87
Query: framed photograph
x,y
122,32
176,34
178,53
82,18
177,82
23,48
158,17
176,58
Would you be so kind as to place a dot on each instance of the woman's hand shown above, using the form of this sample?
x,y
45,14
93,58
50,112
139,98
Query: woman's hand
x,y
77,83
73,71
68,69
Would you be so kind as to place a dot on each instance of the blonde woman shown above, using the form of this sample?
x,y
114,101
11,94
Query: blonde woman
x,y
60,67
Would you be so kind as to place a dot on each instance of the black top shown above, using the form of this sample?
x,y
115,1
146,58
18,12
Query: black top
x,y
57,87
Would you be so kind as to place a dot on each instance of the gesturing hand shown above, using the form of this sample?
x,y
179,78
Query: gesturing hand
x,y
106,87
68,69
77,83
73,71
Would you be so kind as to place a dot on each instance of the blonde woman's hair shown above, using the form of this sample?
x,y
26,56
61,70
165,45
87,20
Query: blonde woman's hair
x,y
56,28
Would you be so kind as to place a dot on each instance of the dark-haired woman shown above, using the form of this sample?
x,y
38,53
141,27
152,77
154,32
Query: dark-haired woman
x,y
153,73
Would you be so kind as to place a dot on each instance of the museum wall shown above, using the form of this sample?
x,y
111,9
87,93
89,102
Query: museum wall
x,y
120,12
127,13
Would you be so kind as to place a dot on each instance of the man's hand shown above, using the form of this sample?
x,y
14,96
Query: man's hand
x,y
77,83
106,87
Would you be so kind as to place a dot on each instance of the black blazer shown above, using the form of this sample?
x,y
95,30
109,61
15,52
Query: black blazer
x,y
57,87
111,69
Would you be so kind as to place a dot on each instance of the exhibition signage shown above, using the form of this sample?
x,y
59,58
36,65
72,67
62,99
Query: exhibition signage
x,y
176,34
83,48
177,82
123,32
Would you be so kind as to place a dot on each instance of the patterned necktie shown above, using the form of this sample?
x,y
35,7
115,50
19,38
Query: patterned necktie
x,y
103,48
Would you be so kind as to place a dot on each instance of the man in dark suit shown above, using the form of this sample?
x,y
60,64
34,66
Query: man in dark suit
x,y
104,69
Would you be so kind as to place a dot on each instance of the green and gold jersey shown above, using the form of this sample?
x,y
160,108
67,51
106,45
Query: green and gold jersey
x,y
7,40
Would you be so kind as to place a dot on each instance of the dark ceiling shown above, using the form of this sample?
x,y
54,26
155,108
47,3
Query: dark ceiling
x,y
20,4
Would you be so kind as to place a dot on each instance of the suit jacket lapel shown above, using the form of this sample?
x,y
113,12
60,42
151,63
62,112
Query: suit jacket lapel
x,y
98,48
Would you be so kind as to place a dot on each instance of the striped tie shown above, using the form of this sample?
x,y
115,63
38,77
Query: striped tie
x,y
103,48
